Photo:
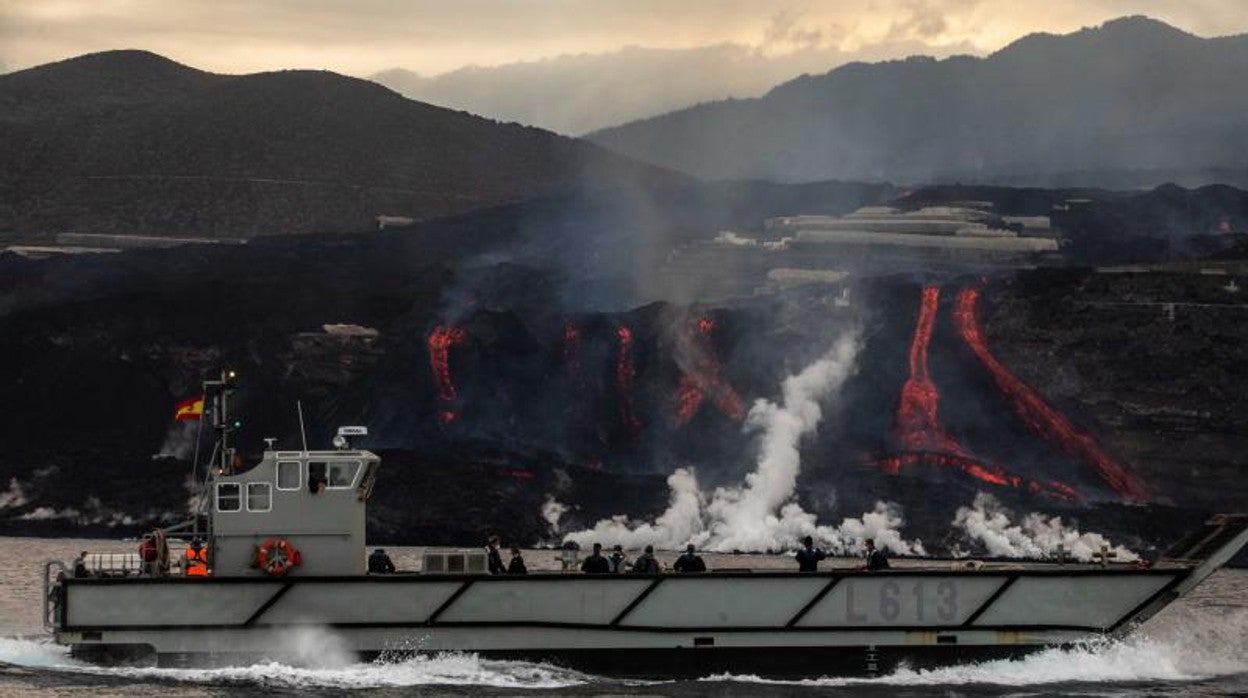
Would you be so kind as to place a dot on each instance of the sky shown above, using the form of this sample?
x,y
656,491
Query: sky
x,y
360,37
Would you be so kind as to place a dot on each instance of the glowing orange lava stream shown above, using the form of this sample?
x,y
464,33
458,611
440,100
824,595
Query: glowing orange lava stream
x,y
1037,414
924,441
705,379
441,340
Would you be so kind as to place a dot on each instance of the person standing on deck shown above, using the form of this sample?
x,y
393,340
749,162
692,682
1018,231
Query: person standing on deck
x,y
690,562
380,563
876,559
646,564
809,556
80,566
148,556
496,560
596,563
517,565
195,563
618,560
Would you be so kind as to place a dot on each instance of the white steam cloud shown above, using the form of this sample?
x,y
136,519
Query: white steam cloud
x,y
13,497
760,514
50,514
179,440
989,524
552,512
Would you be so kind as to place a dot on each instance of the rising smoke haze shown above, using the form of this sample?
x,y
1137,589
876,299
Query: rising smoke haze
x,y
577,94
989,525
14,496
179,440
552,512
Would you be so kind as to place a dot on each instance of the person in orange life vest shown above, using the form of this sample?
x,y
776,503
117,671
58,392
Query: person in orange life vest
x,y
196,562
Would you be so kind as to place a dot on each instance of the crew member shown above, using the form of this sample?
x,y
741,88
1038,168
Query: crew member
x,y
596,563
80,566
517,563
379,562
316,482
690,562
617,560
646,564
196,562
496,560
809,556
876,559
149,556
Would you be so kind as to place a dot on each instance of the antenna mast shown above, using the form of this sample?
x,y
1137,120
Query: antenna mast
x,y
222,454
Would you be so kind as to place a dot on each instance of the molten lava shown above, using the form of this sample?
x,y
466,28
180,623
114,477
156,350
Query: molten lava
x,y
441,340
986,473
1034,411
625,375
704,379
918,426
919,433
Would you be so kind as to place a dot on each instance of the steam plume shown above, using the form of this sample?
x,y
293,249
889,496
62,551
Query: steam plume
x,y
179,441
988,523
552,512
760,514
13,497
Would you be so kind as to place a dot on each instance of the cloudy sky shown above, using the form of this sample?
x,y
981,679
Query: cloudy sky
x,y
360,37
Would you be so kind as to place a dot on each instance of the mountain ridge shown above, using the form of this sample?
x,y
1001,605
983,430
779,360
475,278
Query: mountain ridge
x,y
1117,97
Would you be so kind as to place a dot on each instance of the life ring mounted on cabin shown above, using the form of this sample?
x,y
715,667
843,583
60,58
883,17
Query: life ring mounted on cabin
x,y
276,556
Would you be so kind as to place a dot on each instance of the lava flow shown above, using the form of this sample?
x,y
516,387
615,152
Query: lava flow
x,y
1034,411
920,434
625,374
441,340
704,379
918,426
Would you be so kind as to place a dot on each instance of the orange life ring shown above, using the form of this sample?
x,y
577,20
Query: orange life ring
x,y
276,556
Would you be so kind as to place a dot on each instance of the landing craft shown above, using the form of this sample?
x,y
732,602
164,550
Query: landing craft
x,y
286,551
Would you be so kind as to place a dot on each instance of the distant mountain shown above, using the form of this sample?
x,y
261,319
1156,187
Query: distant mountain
x,y
574,94
128,141
1133,97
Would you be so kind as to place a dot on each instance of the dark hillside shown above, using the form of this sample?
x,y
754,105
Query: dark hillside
x,y
129,142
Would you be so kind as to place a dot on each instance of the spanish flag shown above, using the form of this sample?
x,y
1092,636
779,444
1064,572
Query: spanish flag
x,y
191,409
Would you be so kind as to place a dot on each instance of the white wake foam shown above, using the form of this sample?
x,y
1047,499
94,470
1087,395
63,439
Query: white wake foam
x,y
1179,652
443,669
454,669
33,652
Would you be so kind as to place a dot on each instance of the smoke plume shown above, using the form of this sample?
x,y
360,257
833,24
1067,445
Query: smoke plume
x,y
989,524
761,514
13,497
552,512
179,440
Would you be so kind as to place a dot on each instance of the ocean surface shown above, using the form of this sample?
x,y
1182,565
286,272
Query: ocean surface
x,y
1196,647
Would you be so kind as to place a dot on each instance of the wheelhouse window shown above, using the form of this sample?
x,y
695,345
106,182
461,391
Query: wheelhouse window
x,y
259,496
342,474
229,496
289,474
335,474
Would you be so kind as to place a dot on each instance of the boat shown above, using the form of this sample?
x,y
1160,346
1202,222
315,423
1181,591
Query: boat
x,y
285,543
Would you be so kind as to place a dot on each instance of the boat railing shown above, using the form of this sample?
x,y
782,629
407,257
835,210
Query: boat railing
x,y
113,564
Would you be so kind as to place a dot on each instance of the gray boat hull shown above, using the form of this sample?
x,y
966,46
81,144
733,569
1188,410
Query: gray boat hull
x,y
771,624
